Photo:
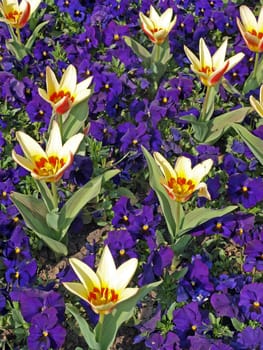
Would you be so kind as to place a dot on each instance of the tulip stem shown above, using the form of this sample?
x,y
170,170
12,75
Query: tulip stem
x,y
177,217
205,104
18,35
54,193
100,324
255,64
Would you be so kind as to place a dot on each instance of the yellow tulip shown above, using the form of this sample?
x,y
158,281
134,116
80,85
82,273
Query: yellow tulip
x,y
210,69
106,288
257,105
182,181
251,29
17,15
51,164
66,94
157,27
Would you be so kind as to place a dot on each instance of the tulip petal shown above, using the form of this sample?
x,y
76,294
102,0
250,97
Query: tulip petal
x,y
234,60
22,161
71,146
183,167
203,191
204,55
219,56
51,81
192,58
54,144
85,274
248,19
256,105
106,270
201,170
154,16
125,273
128,293
77,289
165,166
29,146
166,18
83,85
69,80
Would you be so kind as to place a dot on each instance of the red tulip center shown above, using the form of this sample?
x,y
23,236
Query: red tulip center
x,y
102,296
48,166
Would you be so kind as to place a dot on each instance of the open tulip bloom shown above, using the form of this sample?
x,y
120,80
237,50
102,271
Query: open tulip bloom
x,y
251,29
51,164
17,15
257,105
211,69
106,288
182,181
66,94
157,27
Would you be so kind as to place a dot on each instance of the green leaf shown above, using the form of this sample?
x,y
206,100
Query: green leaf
x,y
17,49
200,128
137,48
210,106
122,313
250,84
79,199
45,194
199,216
76,120
254,143
166,203
239,326
58,247
180,244
52,220
220,124
33,37
88,335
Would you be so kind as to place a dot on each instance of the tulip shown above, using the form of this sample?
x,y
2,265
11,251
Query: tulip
x,y
157,27
17,15
211,69
257,105
106,288
66,94
182,181
251,29
51,164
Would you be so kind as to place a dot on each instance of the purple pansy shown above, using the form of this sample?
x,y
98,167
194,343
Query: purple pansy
x,y
251,301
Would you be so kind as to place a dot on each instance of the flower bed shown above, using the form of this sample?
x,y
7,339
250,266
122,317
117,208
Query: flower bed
x,y
131,148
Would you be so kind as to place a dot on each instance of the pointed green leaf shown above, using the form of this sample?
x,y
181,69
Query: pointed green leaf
x,y
52,220
88,335
137,48
33,37
166,203
201,129
239,326
220,124
254,143
199,216
18,50
58,247
122,313
79,199
251,83
45,194
76,120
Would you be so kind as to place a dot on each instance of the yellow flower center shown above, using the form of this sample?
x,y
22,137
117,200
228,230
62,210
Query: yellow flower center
x,y
125,218
244,189
15,219
181,187
17,250
57,96
102,296
48,166
259,35
16,275
256,304
4,194
145,227
122,252
165,100
240,231
13,15
45,334
194,328
218,225
116,37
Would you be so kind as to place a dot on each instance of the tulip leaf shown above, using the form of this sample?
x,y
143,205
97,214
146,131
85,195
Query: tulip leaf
x,y
17,49
251,83
220,124
166,203
199,216
33,37
254,143
58,247
46,195
88,335
137,48
52,220
201,128
76,120
79,199
122,313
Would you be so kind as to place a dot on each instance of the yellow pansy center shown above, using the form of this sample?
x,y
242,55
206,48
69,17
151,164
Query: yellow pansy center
x,y
45,334
102,296
58,95
48,166
256,304
17,250
181,186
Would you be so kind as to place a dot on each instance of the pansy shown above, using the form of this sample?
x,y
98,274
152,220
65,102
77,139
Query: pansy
x,y
66,94
210,69
257,105
51,164
182,181
106,288
251,28
17,14
157,27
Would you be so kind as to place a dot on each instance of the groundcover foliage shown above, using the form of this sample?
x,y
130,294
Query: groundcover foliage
x,y
131,138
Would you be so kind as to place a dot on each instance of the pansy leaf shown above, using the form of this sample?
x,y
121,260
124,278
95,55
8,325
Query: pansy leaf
x,y
122,313
254,143
88,335
199,216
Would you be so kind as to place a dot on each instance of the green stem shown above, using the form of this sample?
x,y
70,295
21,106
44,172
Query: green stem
x,y
54,193
205,104
60,124
177,218
18,35
255,65
101,320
